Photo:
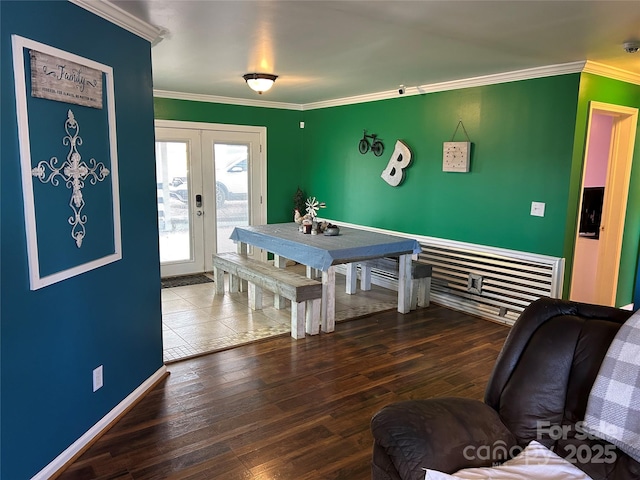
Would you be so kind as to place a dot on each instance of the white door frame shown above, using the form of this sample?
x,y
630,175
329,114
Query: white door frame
x,y
258,184
616,196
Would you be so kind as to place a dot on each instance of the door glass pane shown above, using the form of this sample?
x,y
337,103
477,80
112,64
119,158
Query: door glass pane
x,y
232,184
173,201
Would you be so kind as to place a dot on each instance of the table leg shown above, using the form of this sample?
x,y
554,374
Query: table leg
x,y
279,302
313,316
329,300
365,277
404,284
352,277
241,248
312,272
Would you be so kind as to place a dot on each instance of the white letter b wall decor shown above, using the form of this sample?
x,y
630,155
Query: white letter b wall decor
x,y
400,159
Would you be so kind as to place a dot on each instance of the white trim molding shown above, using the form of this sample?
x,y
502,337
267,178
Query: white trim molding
x,y
484,80
196,97
526,74
611,72
122,18
99,428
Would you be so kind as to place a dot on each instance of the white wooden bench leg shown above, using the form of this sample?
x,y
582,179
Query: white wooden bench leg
x,y
241,248
329,300
352,277
255,296
234,283
365,277
279,302
404,284
297,319
218,275
313,316
424,292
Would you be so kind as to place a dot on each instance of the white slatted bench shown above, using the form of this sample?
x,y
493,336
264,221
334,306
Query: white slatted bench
x,y
420,278
305,293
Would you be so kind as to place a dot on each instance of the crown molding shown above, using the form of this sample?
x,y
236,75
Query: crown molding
x,y
526,74
197,97
611,72
484,80
117,16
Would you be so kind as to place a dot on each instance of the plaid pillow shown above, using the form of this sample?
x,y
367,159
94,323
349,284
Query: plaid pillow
x,y
613,408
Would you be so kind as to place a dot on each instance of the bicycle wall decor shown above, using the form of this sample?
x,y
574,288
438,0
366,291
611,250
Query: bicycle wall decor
x,y
370,142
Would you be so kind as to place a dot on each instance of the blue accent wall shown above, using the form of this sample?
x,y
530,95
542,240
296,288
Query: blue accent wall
x,y
51,339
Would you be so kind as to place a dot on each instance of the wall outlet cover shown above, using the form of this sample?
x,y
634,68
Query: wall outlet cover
x,y
98,380
537,209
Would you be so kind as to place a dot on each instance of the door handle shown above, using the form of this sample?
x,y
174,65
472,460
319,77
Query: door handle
x,y
199,213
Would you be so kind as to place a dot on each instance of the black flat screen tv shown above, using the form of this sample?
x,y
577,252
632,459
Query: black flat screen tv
x,y
591,212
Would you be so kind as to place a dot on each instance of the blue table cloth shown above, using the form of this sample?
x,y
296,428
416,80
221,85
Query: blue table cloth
x,y
322,251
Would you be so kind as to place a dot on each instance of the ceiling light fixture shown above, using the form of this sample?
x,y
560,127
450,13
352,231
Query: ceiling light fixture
x,y
260,82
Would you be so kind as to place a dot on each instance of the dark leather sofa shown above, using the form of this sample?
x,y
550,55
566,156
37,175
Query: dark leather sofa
x,y
538,390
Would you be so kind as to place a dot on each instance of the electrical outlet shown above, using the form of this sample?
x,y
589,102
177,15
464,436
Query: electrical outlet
x,y
97,378
537,209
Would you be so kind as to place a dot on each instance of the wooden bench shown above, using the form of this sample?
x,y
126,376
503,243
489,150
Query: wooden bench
x,y
420,278
304,293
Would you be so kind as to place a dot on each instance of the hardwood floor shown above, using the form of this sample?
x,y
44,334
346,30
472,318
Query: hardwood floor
x,y
286,409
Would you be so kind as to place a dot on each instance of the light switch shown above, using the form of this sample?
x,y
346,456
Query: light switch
x,y
537,209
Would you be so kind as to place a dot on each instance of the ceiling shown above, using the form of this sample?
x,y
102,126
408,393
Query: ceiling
x,y
327,50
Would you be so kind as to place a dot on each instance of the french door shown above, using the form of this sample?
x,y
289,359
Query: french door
x,y
210,178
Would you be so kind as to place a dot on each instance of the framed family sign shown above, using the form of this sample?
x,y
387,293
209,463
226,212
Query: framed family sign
x,y
68,158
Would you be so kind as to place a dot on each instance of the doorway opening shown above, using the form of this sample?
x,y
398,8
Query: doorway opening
x,y
603,203
210,178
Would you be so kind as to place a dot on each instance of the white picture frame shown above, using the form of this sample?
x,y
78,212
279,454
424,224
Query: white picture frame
x,y
36,277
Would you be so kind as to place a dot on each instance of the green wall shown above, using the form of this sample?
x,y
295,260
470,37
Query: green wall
x,y
606,90
285,169
522,135
528,142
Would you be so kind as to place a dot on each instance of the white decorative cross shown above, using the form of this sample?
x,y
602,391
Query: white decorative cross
x,y
74,173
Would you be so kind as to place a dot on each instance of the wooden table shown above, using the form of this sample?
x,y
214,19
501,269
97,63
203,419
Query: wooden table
x,y
323,252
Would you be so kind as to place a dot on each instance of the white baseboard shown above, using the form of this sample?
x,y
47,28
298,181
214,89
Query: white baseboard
x,y
105,422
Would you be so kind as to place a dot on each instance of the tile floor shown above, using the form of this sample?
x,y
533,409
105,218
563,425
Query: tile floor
x,y
196,321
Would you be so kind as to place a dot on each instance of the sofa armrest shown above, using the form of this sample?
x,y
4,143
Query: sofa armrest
x,y
443,434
